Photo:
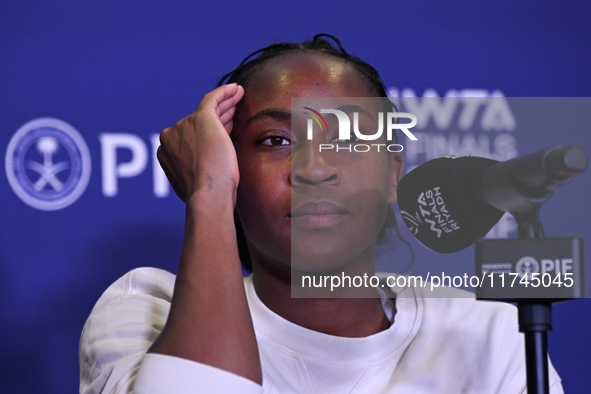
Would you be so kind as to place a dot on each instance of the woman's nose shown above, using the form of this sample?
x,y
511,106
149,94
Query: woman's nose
x,y
310,166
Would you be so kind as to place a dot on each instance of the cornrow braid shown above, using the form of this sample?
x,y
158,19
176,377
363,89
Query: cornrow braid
x,y
246,70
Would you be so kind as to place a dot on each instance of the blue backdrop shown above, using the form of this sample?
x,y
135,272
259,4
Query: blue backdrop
x,y
120,72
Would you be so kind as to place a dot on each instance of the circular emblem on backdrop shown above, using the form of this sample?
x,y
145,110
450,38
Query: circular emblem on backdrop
x,y
47,164
526,266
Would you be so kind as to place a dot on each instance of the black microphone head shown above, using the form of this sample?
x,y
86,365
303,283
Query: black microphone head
x,y
440,205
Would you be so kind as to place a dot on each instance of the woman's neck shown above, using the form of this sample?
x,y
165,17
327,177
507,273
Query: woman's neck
x,y
344,317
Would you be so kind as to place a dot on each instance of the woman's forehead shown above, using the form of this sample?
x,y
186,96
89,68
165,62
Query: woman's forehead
x,y
305,74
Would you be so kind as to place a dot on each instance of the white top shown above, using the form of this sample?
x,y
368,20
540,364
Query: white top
x,y
436,345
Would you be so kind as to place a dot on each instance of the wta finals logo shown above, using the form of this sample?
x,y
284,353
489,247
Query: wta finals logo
x,y
48,164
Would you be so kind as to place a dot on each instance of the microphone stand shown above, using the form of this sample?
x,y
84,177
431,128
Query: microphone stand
x,y
535,315
522,192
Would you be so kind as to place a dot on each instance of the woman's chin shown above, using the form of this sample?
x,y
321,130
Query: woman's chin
x,y
327,263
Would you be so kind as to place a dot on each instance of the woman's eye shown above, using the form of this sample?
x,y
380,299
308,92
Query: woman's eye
x,y
275,141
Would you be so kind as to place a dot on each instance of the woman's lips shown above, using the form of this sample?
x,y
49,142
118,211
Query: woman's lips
x,y
318,214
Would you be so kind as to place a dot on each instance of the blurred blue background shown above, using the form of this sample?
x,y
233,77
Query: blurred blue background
x,y
137,67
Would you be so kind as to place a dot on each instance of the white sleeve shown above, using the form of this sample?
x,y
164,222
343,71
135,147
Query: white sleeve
x,y
122,326
161,374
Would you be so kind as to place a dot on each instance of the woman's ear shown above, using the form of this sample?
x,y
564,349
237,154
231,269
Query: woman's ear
x,y
396,170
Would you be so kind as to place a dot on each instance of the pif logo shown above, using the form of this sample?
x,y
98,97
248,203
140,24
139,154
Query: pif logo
x,y
391,120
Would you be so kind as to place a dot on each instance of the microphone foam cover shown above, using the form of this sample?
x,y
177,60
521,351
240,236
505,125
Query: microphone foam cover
x,y
440,205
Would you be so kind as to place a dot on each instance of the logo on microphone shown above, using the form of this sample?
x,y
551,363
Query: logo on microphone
x,y
412,222
432,213
526,266
47,164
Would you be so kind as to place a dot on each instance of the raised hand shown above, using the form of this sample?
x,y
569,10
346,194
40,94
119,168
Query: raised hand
x,y
197,152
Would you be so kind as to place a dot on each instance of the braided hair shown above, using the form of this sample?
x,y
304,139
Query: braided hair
x,y
247,69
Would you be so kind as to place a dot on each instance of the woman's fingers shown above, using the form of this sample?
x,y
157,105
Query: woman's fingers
x,y
230,101
228,115
227,109
223,100
228,126
214,98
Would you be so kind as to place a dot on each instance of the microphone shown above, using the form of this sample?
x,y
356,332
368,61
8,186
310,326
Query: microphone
x,y
451,202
